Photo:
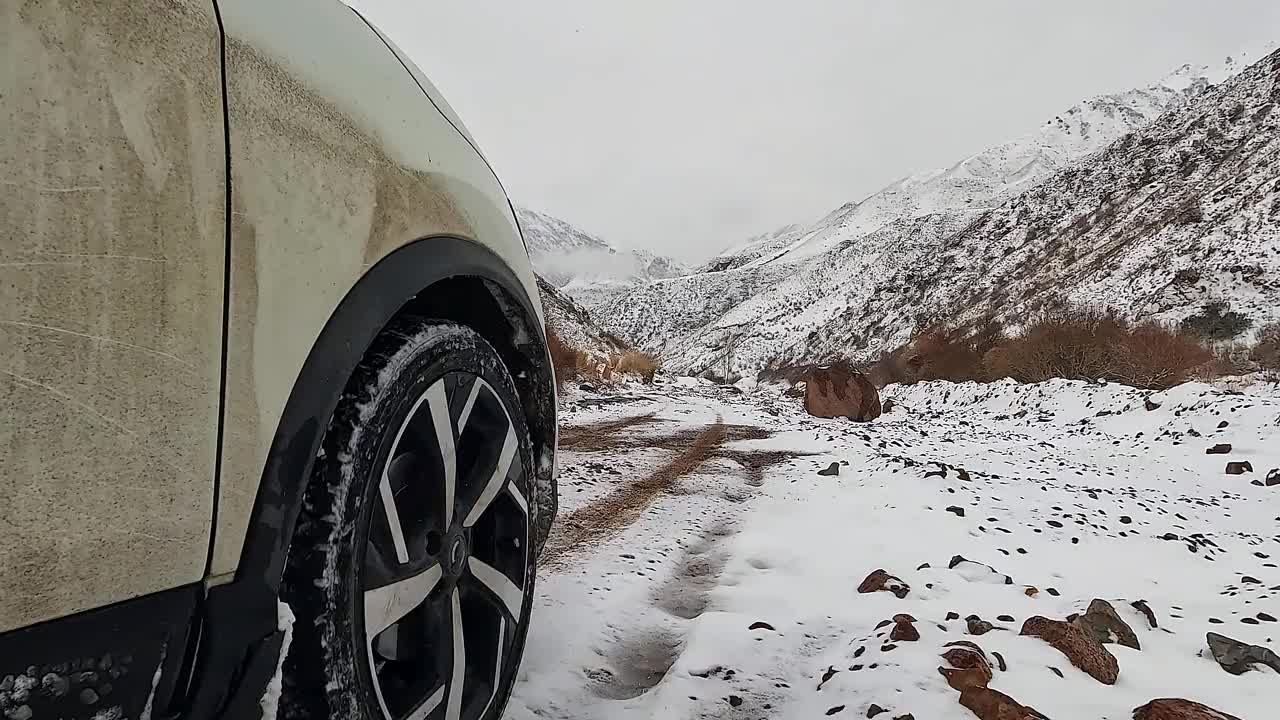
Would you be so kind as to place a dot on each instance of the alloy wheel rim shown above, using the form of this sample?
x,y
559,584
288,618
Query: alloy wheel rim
x,y
445,564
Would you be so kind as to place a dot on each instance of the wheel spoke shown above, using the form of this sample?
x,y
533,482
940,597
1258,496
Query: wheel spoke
x,y
453,710
471,403
393,517
439,404
429,705
497,664
519,497
509,445
385,606
511,596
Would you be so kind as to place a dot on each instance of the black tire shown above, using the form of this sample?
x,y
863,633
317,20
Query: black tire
x,y
347,568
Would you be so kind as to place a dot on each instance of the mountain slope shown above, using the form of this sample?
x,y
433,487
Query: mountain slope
x,y
565,254
574,325
855,282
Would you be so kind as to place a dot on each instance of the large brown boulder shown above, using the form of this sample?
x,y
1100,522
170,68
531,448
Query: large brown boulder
x,y
969,668
1178,709
1080,648
838,391
990,704
1105,625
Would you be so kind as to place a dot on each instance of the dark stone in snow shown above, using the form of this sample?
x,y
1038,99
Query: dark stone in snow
x,y
1239,467
1238,658
1000,661
1147,402
883,623
953,616
1266,617
760,626
734,701
1056,671
1005,618
832,469
1219,449
1103,623
1142,607
875,710
959,511
923,566
834,710
1273,478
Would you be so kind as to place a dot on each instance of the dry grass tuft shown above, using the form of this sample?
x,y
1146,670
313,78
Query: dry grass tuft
x,y
572,364
634,362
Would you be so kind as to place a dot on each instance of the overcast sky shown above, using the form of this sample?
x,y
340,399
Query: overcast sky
x,y
682,126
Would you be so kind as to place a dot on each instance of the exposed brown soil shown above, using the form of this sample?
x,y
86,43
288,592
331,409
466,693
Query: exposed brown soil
x,y
604,517
601,435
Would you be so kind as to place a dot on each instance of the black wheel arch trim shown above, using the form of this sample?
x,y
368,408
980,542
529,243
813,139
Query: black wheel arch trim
x,y
241,616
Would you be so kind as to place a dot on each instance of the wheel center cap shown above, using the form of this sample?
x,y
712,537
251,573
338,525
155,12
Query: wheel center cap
x,y
457,553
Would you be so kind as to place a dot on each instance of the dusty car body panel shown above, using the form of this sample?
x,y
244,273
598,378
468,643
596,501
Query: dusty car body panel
x,y
111,281
338,158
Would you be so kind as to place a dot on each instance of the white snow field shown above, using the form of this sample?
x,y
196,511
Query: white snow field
x,y
681,583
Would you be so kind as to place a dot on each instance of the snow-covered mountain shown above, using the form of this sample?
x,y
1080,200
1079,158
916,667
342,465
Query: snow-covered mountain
x,y
574,325
1089,208
567,255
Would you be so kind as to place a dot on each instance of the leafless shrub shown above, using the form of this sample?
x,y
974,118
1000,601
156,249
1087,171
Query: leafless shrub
x,y
1267,352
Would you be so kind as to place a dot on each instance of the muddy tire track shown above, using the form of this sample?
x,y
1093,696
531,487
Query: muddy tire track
x,y
605,517
601,435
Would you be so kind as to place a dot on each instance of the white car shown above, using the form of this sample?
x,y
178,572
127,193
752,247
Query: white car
x,y
272,373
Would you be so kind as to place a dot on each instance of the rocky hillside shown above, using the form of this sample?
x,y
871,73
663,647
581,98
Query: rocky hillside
x,y
1104,204
567,255
574,325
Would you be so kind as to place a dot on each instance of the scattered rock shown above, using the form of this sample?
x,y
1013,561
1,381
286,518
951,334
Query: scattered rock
x,y
959,511
978,572
1080,648
1000,661
1056,671
1237,657
832,469
1239,467
881,580
969,668
1105,625
1031,591
953,616
1273,478
1219,449
1178,709
903,629
1149,404
734,701
761,625
1142,607
834,710
887,406
990,704
875,710
1005,618
837,391
978,626
1223,424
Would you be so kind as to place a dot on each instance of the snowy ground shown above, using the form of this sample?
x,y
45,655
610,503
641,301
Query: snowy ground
x,y
676,537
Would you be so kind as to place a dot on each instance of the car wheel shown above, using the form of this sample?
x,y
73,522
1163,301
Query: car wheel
x,y
411,573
